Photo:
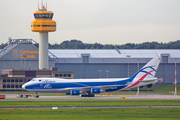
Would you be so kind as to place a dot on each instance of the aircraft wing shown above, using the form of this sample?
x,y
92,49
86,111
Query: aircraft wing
x,y
89,87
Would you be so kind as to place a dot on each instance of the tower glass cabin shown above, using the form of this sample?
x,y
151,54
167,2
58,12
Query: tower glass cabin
x,y
43,24
43,21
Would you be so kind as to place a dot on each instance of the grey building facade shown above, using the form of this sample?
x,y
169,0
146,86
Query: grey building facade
x,y
91,63
114,63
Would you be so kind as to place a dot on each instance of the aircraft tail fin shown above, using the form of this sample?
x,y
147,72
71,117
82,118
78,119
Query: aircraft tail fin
x,y
149,70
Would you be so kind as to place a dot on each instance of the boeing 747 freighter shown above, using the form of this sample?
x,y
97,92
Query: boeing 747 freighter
x,y
89,87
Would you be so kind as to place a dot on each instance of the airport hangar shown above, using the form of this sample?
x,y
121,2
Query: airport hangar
x,y
19,63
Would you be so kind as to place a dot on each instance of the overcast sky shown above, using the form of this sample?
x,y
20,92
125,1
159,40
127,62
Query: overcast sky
x,y
101,21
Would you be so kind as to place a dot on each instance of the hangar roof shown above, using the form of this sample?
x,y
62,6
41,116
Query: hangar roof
x,y
113,53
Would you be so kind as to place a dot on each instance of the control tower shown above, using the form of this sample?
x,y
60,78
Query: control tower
x,y
43,24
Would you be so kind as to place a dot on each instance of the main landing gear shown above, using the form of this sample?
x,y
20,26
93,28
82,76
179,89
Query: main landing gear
x,y
88,95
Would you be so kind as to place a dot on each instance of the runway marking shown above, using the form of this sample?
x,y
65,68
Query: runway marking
x,y
139,95
73,107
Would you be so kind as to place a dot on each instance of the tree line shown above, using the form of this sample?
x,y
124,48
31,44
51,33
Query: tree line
x,y
77,44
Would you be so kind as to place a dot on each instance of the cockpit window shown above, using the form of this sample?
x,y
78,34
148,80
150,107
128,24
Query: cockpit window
x,y
33,80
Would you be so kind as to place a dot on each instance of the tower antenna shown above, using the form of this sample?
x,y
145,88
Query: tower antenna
x,y
42,3
38,5
46,4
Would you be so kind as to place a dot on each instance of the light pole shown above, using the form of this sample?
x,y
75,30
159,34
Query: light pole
x,y
175,93
128,56
138,86
107,71
99,73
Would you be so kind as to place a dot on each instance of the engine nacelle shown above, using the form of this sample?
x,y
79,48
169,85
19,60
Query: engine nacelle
x,y
95,90
74,92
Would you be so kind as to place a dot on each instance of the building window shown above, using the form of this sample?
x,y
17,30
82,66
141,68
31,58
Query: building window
x,y
12,80
16,80
8,80
20,86
56,75
29,80
65,75
12,86
16,86
60,75
164,59
30,73
25,80
69,75
8,86
4,86
20,80
4,80
85,59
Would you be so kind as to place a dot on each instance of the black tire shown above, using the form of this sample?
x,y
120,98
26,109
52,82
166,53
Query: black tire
x,y
26,96
21,96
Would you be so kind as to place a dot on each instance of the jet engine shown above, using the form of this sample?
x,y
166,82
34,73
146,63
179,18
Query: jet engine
x,y
74,92
95,90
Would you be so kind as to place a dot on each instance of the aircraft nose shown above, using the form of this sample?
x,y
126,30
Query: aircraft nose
x,y
23,86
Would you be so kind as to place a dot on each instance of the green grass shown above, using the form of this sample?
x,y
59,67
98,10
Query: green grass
x,y
88,103
161,88
91,114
